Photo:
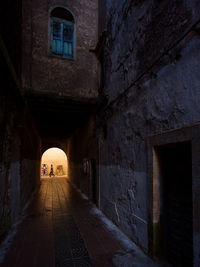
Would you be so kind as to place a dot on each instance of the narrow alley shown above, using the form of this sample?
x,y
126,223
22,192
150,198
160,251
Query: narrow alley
x,y
111,89
63,228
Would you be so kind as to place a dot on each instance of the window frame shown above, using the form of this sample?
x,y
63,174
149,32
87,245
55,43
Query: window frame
x,y
63,21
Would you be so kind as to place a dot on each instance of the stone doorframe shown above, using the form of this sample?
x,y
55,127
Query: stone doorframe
x,y
190,134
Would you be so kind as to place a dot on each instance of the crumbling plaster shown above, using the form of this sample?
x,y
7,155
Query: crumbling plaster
x,y
152,84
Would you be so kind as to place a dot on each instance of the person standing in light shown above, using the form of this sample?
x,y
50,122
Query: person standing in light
x,y
51,171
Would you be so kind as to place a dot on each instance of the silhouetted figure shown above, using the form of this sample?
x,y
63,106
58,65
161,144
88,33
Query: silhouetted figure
x,y
51,171
44,169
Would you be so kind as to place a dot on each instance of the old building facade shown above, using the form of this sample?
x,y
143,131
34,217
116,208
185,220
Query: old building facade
x,y
51,71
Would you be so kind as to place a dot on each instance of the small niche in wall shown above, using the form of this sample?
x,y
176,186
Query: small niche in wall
x,y
86,166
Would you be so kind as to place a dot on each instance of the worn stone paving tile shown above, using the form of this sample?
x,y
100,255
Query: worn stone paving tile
x,y
61,231
70,249
100,243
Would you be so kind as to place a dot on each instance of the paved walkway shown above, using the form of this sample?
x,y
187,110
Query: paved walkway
x,y
64,229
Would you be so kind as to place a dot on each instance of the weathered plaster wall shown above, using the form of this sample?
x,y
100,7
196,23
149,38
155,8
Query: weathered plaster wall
x,y
152,61
42,72
139,34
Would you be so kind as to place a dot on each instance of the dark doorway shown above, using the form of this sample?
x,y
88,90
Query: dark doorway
x,y
176,212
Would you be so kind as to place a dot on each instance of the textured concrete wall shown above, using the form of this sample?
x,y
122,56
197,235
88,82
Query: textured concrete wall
x,y
41,72
152,61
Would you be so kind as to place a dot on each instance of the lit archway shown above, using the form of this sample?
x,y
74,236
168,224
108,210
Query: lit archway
x,y
54,163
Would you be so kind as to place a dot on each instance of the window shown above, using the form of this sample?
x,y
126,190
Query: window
x,y
62,33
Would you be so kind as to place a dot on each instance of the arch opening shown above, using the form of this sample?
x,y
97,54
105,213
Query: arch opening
x,y
62,13
54,163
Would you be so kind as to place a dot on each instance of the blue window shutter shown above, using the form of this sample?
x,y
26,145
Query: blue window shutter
x,y
56,39
62,37
68,39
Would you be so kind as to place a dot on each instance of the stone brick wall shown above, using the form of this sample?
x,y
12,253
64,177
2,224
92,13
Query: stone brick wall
x,y
152,58
42,72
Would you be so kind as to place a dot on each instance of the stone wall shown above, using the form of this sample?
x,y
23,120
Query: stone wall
x,y
152,58
43,73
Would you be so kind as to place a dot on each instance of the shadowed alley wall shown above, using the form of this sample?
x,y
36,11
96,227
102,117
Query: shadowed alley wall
x,y
152,61
19,139
83,150
19,157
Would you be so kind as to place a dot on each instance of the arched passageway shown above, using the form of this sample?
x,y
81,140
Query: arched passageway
x,y
54,163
